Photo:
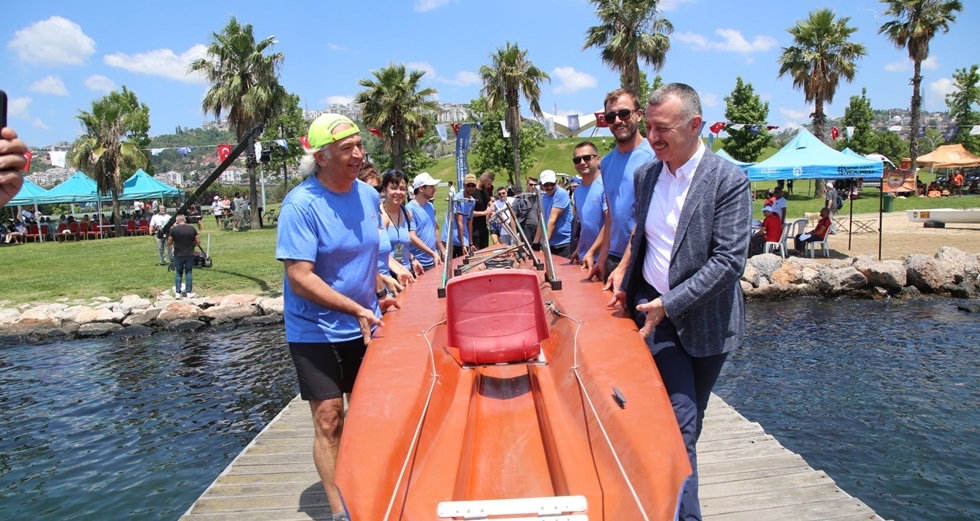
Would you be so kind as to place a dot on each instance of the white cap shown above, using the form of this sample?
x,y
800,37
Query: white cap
x,y
767,208
830,184
424,179
548,176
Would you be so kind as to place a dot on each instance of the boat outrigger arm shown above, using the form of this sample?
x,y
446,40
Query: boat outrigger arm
x,y
549,262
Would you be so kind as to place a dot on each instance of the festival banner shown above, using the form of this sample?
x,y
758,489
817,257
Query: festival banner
x,y
898,181
462,150
573,124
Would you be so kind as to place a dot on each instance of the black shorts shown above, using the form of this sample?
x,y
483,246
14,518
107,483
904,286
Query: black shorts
x,y
326,371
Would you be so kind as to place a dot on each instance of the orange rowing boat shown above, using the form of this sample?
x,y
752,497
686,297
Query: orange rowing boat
x,y
508,399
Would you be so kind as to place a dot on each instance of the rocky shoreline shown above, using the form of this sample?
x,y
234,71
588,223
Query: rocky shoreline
x,y
950,272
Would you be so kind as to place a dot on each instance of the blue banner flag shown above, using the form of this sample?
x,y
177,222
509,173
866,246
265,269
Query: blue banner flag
x,y
462,150
951,132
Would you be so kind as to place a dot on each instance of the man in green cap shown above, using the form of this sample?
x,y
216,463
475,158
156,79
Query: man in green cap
x,y
328,242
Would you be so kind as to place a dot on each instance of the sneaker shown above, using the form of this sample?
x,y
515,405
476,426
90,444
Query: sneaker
x,y
341,516
190,294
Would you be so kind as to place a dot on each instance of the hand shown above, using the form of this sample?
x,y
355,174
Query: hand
x,y
417,267
613,284
12,164
587,264
392,285
388,302
366,319
438,259
598,270
655,313
574,259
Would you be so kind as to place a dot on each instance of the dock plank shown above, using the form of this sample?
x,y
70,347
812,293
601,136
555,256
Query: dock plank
x,y
745,475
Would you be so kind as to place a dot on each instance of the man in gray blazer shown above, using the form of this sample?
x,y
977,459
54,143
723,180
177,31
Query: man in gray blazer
x,y
681,280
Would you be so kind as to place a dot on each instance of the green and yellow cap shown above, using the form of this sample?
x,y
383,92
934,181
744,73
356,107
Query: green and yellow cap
x,y
321,130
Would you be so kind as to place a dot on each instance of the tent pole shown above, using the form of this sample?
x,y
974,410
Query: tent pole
x,y
881,210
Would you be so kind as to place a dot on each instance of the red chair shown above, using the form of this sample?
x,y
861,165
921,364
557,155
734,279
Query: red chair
x,y
45,232
93,230
33,233
83,230
75,231
144,227
61,235
130,228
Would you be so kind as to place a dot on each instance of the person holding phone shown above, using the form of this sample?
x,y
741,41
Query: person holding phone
x,y
13,162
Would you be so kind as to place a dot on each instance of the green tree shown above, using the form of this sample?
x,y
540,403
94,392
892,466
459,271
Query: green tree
x,y
914,25
859,115
510,75
744,106
288,122
820,57
630,31
245,85
493,152
891,145
961,103
394,104
115,130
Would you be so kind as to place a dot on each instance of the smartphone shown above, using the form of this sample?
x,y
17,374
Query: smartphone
x,y
3,109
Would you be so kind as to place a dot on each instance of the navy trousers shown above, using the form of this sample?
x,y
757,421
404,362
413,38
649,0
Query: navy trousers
x,y
688,381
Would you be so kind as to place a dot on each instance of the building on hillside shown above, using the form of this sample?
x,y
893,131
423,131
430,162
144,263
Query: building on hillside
x,y
172,178
51,177
233,176
221,125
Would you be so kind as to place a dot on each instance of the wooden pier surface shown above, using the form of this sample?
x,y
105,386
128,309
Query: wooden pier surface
x,y
745,475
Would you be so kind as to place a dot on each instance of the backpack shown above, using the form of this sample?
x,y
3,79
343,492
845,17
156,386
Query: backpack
x,y
839,203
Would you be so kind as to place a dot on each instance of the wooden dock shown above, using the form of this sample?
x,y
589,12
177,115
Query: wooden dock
x,y
745,475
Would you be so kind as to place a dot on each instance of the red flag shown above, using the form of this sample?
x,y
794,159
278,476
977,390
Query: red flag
x,y
600,121
456,128
716,128
28,156
223,152
833,132
305,142
375,131
772,127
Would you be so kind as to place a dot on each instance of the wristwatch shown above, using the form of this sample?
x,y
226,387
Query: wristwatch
x,y
381,294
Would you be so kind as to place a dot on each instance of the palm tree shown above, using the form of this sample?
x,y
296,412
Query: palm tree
x,y
397,108
115,131
821,55
509,75
245,84
915,23
630,30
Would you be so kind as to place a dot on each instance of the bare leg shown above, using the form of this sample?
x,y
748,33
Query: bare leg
x,y
328,422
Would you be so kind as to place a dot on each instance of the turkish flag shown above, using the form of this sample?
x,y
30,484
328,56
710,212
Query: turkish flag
x,y
27,155
375,131
600,121
305,142
456,128
716,128
223,152
834,132
772,127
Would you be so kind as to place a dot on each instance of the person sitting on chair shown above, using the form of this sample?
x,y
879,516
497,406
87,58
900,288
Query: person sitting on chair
x,y
771,231
815,235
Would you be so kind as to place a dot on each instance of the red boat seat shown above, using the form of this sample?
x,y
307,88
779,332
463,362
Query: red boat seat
x,y
496,316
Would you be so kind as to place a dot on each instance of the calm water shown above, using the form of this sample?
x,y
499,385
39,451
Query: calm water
x,y
883,396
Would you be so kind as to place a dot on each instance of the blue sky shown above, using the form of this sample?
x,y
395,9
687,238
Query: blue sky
x,y
59,56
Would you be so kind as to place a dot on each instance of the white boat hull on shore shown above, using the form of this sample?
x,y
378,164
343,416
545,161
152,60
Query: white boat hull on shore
x,y
945,215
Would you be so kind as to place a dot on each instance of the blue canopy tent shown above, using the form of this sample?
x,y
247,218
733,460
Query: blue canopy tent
x,y
727,157
806,157
143,186
29,194
79,188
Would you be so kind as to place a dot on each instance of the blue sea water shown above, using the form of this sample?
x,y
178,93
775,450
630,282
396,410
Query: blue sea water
x,y
882,395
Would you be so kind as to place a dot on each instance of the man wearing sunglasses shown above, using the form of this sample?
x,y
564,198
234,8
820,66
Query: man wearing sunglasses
x,y
558,211
681,279
590,205
623,114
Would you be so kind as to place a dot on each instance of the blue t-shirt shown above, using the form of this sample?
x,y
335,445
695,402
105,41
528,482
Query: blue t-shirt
x,y
617,177
464,208
384,249
590,205
400,239
424,224
338,233
563,226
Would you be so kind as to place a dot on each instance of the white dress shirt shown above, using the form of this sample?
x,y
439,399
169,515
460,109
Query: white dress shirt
x,y
660,227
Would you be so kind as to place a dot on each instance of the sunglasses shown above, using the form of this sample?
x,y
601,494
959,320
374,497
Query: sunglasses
x,y
586,158
610,117
531,183
470,185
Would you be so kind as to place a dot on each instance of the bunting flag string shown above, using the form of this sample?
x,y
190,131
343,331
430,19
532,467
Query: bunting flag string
x,y
441,130
975,131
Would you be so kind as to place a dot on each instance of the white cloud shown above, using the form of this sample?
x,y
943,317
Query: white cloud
x,y
936,93
40,124
50,85
100,83
463,79
338,100
428,5
796,115
161,62
17,107
731,41
335,47
709,100
425,67
572,80
55,41
672,5
930,64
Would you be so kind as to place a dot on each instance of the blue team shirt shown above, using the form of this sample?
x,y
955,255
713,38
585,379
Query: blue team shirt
x,y
464,208
617,178
563,226
338,233
590,204
424,224
400,239
384,249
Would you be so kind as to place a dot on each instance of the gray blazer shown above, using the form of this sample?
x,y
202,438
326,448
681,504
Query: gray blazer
x,y
705,299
